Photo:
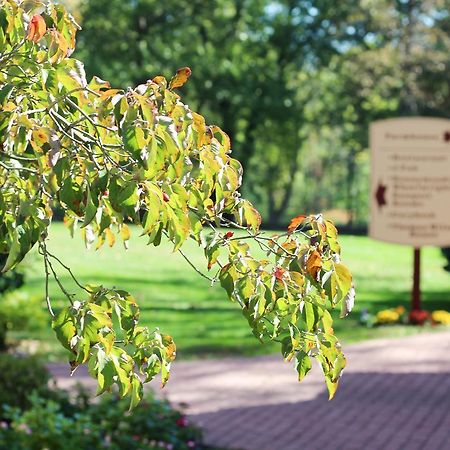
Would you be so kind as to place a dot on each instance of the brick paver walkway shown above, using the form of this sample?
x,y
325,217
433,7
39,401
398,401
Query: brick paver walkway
x,y
395,394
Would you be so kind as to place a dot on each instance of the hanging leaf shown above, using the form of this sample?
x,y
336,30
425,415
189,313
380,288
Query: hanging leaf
x,y
125,234
314,264
302,364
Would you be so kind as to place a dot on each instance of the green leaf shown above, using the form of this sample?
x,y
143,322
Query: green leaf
x,y
137,392
332,386
152,215
21,244
310,317
251,216
64,325
287,349
90,210
227,278
134,139
327,322
344,278
302,364
128,196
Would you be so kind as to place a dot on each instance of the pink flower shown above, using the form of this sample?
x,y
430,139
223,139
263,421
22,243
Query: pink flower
x,y
24,427
182,421
191,444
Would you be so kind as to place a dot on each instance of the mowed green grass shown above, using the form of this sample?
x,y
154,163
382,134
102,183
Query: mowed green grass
x,y
203,322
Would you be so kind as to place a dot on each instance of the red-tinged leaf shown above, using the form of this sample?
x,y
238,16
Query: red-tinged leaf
x,y
180,78
295,223
165,196
314,264
279,273
170,347
37,28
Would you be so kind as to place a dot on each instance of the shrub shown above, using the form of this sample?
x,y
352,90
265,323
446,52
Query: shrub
x,y
8,281
35,416
19,376
20,311
152,425
45,426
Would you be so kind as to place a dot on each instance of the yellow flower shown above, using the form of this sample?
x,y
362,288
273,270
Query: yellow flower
x,y
388,316
442,317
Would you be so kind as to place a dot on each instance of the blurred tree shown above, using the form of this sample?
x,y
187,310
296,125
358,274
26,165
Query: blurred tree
x,y
274,72
246,56
399,67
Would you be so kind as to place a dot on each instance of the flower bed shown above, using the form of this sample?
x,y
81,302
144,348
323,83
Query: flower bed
x,y
399,315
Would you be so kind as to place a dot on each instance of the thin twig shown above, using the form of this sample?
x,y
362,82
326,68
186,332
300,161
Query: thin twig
x,y
258,238
233,224
18,158
47,297
26,169
45,254
70,272
212,280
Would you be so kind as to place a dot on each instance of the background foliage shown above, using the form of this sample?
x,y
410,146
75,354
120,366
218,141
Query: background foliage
x,y
295,83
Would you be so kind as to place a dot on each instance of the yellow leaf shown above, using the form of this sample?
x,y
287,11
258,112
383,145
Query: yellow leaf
x,y
110,236
125,234
180,78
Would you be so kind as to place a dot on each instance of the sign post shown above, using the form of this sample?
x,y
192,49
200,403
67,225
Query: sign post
x,y
410,186
416,300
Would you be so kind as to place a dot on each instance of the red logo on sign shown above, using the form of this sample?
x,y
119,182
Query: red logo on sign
x,y
380,195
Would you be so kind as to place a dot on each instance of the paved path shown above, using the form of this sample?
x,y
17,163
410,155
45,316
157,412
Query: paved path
x,y
395,394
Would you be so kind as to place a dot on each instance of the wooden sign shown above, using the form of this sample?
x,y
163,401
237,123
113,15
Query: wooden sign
x,y
410,181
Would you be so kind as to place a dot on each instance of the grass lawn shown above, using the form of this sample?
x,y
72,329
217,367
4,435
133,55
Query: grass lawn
x,y
200,317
